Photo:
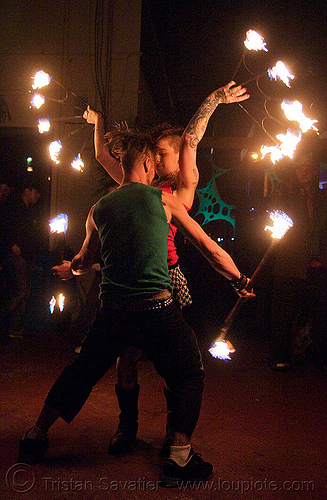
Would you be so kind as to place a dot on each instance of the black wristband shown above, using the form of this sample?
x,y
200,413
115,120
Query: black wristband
x,y
239,283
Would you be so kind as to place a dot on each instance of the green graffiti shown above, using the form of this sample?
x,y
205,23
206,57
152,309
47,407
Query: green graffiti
x,y
212,207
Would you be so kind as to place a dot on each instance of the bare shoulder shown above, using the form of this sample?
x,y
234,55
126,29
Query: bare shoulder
x,y
90,223
172,202
167,198
90,214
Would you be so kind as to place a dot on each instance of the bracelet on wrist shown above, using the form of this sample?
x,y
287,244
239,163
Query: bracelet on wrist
x,y
240,283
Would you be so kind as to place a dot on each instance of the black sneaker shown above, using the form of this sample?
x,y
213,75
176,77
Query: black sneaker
x,y
32,451
173,475
121,442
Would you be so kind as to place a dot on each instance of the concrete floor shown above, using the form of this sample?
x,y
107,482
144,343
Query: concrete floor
x,y
264,432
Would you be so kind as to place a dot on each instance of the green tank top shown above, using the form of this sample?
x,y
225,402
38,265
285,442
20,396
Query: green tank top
x,y
133,231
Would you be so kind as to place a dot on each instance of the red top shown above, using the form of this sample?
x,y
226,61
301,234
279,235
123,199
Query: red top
x,y
172,256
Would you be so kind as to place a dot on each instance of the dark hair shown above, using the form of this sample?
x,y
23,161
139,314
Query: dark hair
x,y
128,145
167,131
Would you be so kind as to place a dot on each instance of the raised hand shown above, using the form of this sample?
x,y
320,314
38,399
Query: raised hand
x,y
231,93
90,115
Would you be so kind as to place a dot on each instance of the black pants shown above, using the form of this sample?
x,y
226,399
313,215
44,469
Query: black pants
x,y
295,303
165,339
317,305
288,313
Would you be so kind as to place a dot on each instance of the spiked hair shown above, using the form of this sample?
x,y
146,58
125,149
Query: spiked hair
x,y
129,145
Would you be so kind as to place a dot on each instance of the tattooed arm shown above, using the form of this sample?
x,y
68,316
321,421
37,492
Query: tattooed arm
x,y
189,174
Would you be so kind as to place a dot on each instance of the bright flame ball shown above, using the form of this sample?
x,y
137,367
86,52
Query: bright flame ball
x,y
221,349
55,149
59,224
254,41
43,125
287,146
78,163
41,79
293,112
281,224
280,72
37,101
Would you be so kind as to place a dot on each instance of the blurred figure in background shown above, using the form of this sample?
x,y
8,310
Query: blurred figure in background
x,y
6,268
299,295
23,242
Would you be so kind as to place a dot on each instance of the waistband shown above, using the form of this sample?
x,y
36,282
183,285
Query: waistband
x,y
155,301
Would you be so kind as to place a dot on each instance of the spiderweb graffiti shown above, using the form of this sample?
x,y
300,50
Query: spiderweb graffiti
x,y
212,207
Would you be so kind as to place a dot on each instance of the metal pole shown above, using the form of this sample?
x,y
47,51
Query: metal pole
x,y
239,303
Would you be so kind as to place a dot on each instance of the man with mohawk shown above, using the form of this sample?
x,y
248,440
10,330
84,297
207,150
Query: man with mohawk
x,y
131,225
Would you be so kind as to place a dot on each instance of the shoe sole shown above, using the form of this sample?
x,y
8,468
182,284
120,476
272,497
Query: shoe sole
x,y
30,459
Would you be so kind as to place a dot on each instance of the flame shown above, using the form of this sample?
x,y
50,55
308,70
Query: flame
x,y
78,163
274,151
289,142
41,79
281,224
280,72
59,224
44,125
61,302
287,146
254,41
52,304
37,101
54,149
293,112
221,349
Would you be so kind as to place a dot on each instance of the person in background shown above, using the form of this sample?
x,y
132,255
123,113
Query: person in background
x,y
131,224
23,235
176,173
299,292
6,268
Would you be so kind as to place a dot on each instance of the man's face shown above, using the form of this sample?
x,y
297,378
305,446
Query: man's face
x,y
166,158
